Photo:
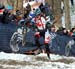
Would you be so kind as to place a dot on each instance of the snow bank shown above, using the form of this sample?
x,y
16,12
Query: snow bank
x,y
12,56
34,63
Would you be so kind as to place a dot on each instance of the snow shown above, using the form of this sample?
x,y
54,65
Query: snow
x,y
12,56
31,3
36,62
73,20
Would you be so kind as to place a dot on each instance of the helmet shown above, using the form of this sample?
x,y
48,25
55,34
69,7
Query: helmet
x,y
37,12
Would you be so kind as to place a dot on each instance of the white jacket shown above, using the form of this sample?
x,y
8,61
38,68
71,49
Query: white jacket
x,y
41,24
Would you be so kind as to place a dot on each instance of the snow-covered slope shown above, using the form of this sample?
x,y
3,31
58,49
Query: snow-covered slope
x,y
20,61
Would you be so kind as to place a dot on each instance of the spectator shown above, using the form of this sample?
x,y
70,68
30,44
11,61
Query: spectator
x,y
64,31
73,33
2,7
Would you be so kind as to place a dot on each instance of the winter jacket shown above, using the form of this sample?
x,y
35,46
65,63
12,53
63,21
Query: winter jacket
x,y
41,23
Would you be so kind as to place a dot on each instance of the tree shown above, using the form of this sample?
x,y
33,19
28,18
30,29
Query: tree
x,y
4,2
0,2
10,2
17,5
57,12
67,14
20,4
56,7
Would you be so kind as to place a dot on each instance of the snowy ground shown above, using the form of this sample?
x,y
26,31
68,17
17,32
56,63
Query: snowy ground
x,y
20,61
